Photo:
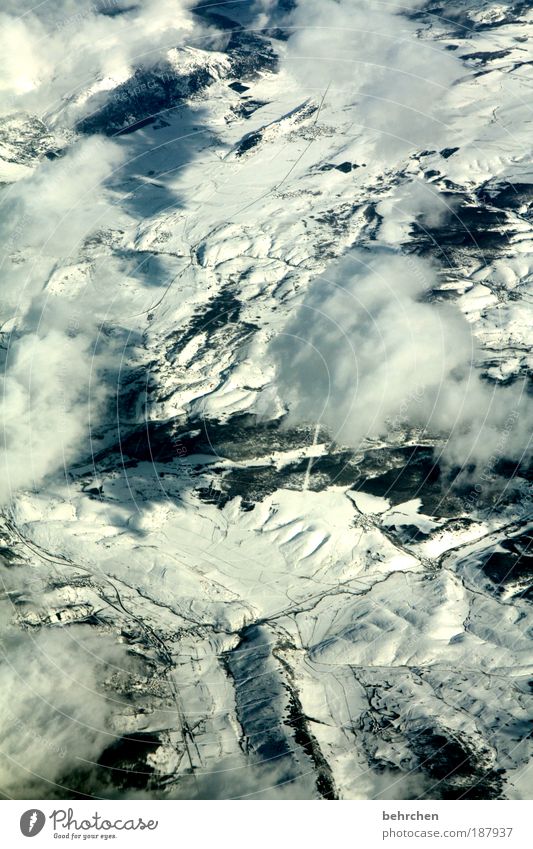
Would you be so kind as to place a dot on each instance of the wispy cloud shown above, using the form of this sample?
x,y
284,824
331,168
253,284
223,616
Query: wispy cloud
x,y
50,369
369,55
54,51
364,343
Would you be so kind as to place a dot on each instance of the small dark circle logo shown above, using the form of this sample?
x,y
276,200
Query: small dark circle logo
x,y
32,822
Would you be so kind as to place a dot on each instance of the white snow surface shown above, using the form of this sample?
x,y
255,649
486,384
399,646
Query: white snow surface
x,y
279,628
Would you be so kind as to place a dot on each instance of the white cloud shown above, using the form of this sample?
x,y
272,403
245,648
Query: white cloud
x,y
365,354
49,384
56,50
45,407
55,708
369,54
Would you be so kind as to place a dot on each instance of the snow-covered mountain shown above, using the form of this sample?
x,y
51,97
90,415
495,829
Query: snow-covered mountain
x,y
265,499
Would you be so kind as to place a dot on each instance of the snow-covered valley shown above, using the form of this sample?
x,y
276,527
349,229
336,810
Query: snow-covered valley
x,y
266,319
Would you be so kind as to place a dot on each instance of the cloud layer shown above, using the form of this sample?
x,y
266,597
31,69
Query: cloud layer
x,y
369,55
54,702
49,380
366,355
55,51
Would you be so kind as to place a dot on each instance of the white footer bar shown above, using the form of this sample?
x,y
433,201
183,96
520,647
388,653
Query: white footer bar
x,y
225,824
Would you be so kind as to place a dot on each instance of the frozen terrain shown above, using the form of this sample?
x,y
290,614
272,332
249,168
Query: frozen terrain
x,y
265,331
